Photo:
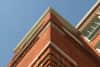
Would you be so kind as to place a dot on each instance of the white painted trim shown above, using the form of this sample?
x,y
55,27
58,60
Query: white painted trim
x,y
86,38
58,49
98,50
99,17
86,15
53,25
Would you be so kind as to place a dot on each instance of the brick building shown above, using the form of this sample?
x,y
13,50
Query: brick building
x,y
53,42
89,26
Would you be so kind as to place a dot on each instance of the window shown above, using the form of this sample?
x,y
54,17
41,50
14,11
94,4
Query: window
x,y
92,28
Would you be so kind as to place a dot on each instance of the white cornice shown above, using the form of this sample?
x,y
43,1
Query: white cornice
x,y
87,14
68,28
38,24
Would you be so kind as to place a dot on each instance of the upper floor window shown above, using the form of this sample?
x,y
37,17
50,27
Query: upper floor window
x,y
92,28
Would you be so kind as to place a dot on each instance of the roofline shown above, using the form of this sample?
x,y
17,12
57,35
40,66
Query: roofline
x,y
38,23
87,14
32,30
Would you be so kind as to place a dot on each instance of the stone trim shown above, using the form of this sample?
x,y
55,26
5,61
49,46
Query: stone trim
x,y
50,43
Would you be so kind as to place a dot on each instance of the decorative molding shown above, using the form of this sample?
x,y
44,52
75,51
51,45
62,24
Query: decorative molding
x,y
87,14
47,46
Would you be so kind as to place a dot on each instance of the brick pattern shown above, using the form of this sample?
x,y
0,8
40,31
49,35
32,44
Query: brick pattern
x,y
33,56
52,58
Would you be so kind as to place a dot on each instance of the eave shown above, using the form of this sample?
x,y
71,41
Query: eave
x,y
87,15
68,28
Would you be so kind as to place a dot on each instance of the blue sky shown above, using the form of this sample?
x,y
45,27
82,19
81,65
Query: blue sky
x,y
18,16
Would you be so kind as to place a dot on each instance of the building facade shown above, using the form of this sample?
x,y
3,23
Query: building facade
x,y
53,42
89,26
